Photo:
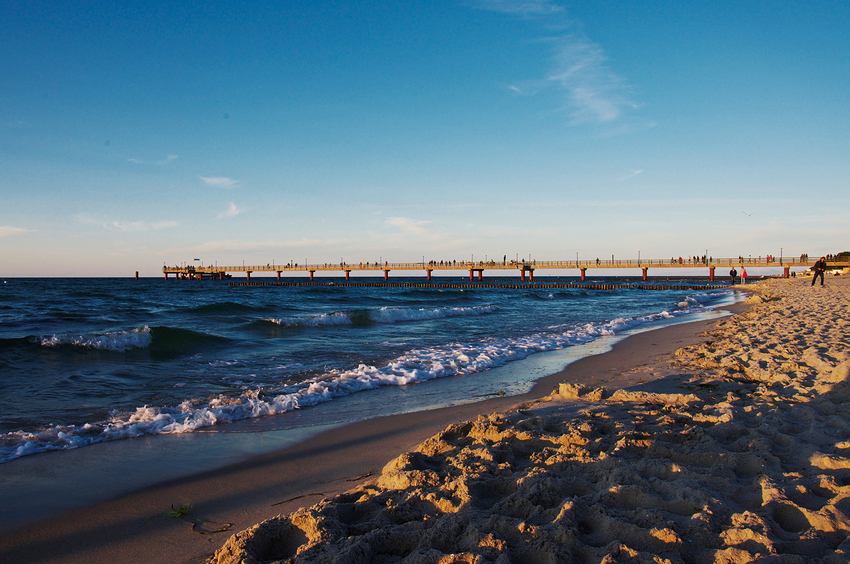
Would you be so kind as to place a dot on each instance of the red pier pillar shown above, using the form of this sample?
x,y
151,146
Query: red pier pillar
x,y
787,272
311,275
583,274
347,275
248,272
522,275
278,275
644,273
711,273
428,272
386,275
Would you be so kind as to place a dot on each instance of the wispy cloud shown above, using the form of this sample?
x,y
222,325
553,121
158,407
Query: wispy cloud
x,y
593,92
220,181
9,231
632,174
162,162
124,226
522,7
231,211
138,226
410,226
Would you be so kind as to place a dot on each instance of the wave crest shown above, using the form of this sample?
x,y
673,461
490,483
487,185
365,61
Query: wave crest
x,y
116,341
381,315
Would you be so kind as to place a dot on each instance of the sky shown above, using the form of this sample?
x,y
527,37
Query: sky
x,y
134,135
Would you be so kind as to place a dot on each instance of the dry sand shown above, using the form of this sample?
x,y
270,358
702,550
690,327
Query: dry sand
x,y
732,450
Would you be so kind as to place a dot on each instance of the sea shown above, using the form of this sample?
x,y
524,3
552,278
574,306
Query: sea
x,y
86,361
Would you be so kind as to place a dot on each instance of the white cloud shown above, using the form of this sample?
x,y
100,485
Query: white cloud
x,y
632,174
519,6
9,231
137,226
410,226
231,211
161,162
595,93
220,181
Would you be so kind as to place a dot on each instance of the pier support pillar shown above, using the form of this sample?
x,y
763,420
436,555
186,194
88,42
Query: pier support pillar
x,y
428,272
480,275
166,275
531,276
470,274
347,275
311,275
644,273
386,275
248,272
787,271
278,275
583,274
522,275
711,273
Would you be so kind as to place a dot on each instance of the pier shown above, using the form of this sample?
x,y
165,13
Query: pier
x,y
524,268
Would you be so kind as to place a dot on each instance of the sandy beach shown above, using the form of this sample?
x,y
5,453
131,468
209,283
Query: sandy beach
x,y
734,449
722,441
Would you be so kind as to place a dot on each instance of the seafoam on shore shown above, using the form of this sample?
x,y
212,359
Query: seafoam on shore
x,y
735,450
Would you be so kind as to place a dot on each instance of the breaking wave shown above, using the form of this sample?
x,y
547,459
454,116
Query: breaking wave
x,y
413,366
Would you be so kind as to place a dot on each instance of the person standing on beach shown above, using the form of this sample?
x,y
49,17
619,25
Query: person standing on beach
x,y
733,274
744,275
819,268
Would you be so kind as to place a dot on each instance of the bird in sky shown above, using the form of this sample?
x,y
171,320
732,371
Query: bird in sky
x,y
746,214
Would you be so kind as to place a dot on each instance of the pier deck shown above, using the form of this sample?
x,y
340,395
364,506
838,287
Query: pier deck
x,y
523,267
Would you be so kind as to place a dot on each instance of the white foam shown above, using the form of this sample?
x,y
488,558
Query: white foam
x,y
382,315
117,341
413,366
393,315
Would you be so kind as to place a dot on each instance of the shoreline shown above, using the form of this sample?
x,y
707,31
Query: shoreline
x,y
105,530
733,449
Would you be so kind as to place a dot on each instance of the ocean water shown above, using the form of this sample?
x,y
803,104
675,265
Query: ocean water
x,y
85,361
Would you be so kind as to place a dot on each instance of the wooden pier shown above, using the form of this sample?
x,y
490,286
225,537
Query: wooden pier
x,y
525,269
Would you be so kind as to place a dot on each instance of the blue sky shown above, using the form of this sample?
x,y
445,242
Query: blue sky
x,y
134,135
